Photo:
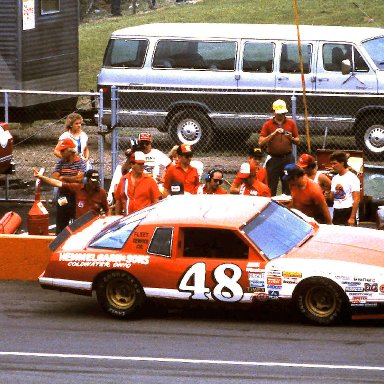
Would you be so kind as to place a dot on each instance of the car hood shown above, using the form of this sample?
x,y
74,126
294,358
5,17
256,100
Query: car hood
x,y
352,244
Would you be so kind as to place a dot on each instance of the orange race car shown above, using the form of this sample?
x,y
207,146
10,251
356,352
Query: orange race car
x,y
227,249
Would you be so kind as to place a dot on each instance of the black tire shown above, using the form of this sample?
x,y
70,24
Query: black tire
x,y
120,294
320,301
191,127
369,136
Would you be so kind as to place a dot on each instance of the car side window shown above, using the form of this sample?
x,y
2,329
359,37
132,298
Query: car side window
x,y
161,242
195,54
127,53
258,57
290,59
213,243
334,54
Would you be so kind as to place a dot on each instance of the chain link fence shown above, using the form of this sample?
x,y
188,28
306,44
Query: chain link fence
x,y
36,121
222,124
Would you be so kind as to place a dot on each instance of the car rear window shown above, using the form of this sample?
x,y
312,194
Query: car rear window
x,y
276,230
125,53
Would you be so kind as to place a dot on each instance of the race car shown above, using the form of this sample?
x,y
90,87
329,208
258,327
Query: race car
x,y
219,249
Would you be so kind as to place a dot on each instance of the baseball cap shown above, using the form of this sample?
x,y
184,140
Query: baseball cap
x,y
291,171
255,152
66,143
137,157
184,149
92,174
279,106
145,136
246,170
305,159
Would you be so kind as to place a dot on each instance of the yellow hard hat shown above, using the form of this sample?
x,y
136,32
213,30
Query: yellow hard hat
x,y
279,106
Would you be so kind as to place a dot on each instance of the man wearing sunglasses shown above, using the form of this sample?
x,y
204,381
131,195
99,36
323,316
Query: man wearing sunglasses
x,y
182,172
213,180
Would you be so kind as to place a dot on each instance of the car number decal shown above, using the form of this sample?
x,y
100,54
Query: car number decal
x,y
226,289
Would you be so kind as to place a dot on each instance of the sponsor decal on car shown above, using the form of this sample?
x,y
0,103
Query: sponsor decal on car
x,y
274,273
117,260
274,287
351,283
256,276
292,274
354,289
365,279
290,280
253,290
273,294
274,281
371,287
262,297
382,288
259,284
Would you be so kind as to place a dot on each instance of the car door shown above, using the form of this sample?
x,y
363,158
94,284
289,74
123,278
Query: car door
x,y
329,78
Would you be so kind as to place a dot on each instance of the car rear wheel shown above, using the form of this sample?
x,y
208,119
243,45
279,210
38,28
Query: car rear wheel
x,y
321,302
120,294
191,127
370,136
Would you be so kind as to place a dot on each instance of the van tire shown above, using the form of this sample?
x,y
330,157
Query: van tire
x,y
191,127
370,136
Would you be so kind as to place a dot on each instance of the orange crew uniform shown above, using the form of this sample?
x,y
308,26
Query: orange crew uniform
x,y
258,189
219,191
85,202
309,200
134,198
261,176
189,178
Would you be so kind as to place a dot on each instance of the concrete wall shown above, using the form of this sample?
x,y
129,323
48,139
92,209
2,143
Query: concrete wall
x,y
23,257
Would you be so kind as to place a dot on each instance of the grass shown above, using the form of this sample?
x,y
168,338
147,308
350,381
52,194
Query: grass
x,y
94,35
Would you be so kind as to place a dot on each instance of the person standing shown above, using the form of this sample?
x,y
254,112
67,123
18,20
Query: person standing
x,y
255,156
279,134
307,196
74,132
88,195
136,190
69,169
250,186
182,171
213,180
345,190
116,7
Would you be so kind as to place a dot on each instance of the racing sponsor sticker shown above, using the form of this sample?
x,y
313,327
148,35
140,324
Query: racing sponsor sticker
x,y
292,274
273,294
256,276
290,280
371,287
257,284
253,290
365,279
382,288
354,289
274,272
274,280
117,260
351,283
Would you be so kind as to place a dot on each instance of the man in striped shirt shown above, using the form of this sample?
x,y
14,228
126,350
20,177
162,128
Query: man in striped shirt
x,y
69,169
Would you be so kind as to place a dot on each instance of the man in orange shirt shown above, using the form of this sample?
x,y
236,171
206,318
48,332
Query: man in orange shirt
x,y
182,172
213,181
250,186
255,156
307,196
136,190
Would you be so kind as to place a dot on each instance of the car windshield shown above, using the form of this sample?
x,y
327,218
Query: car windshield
x,y
276,230
375,49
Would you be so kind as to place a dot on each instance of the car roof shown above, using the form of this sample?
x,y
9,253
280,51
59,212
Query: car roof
x,y
251,31
206,210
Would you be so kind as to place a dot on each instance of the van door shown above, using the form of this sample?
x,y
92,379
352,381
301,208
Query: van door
x,y
329,78
288,69
256,65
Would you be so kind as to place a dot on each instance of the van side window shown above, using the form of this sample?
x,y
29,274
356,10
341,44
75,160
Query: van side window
x,y
192,54
258,57
334,54
290,60
125,53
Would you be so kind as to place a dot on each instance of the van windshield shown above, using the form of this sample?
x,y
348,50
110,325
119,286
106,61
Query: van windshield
x,y
375,49
126,53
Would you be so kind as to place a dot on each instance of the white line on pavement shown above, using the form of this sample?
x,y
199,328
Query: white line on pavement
x,y
192,361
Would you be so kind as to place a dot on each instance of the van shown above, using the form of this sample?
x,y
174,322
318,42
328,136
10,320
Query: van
x,y
198,81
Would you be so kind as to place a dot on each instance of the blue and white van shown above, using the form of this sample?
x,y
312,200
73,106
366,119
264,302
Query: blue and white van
x,y
196,81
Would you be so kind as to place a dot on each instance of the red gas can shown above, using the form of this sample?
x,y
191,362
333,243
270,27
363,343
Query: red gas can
x,y
10,223
38,216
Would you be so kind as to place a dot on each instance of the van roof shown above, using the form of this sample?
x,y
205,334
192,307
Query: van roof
x,y
260,31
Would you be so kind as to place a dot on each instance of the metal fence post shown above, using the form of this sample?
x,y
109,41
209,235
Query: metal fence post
x,y
114,110
101,138
294,111
6,107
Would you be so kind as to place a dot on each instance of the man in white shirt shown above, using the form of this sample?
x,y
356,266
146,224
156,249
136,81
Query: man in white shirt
x,y
345,190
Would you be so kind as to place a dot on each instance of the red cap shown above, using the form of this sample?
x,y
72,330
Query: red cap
x,y
184,148
305,160
137,157
66,143
246,170
145,136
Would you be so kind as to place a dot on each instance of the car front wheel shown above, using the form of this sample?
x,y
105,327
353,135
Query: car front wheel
x,y
120,294
321,302
370,136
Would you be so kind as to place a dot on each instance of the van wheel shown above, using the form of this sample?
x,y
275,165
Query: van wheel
x,y
193,128
370,136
